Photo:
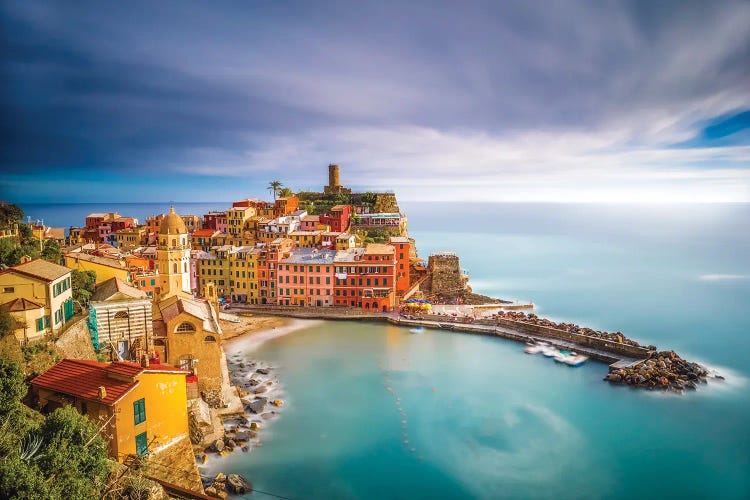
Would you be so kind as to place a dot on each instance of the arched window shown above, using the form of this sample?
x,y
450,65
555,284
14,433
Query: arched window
x,y
209,338
185,328
174,242
184,267
174,268
121,315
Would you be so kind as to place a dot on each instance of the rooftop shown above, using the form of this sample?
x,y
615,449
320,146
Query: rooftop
x,y
114,289
96,259
21,305
82,378
40,269
379,249
309,256
399,239
350,255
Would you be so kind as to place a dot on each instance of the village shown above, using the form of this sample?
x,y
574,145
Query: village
x,y
126,322
141,349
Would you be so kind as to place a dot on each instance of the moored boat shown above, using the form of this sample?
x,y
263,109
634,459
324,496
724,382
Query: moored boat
x,y
417,329
575,359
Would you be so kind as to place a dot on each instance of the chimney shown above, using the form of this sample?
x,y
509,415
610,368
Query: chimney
x,y
102,392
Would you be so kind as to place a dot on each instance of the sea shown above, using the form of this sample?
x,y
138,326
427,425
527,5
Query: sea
x,y
374,411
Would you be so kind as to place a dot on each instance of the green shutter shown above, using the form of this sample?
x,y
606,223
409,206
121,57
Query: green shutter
x,y
40,324
139,411
141,443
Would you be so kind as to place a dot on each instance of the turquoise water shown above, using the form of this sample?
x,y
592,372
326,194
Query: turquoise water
x,y
502,424
487,421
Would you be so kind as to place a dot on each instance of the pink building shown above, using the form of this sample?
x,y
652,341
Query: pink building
x,y
305,278
215,220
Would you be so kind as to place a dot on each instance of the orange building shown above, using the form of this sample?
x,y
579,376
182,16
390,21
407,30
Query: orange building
x,y
401,244
284,206
268,264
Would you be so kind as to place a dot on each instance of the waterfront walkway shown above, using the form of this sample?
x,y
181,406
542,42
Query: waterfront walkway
x,y
356,314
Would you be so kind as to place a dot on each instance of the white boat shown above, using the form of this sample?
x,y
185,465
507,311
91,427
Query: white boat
x,y
417,329
533,349
550,351
575,359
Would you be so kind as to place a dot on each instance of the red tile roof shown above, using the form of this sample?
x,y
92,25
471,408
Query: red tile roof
x,y
204,232
82,378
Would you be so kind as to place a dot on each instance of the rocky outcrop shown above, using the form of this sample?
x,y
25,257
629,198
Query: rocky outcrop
x,y
663,371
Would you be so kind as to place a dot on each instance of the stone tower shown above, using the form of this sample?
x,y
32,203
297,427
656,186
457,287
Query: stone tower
x,y
173,252
334,181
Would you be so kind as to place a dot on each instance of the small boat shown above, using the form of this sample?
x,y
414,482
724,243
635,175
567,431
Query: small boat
x,y
417,329
550,351
575,359
561,356
535,348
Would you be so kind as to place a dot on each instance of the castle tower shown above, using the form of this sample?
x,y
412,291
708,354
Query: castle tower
x,y
334,179
173,252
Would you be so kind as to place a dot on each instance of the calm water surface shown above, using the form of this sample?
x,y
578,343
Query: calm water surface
x,y
484,419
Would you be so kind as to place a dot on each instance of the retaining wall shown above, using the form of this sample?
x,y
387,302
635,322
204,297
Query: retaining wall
x,y
75,341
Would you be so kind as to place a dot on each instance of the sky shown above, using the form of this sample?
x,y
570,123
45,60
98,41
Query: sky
x,y
560,101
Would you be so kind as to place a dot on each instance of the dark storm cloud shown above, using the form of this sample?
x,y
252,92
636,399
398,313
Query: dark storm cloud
x,y
233,87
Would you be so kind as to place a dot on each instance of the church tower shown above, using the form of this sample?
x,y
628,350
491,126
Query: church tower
x,y
173,252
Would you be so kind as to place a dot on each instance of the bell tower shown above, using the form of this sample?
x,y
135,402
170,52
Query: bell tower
x,y
173,252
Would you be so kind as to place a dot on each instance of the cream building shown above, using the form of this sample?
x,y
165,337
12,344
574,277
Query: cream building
x,y
41,283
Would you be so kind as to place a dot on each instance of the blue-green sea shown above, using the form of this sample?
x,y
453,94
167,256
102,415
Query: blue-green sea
x,y
483,419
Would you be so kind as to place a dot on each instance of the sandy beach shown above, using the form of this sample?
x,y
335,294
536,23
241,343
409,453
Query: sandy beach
x,y
251,323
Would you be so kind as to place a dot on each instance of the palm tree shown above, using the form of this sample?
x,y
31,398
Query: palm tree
x,y
274,187
285,192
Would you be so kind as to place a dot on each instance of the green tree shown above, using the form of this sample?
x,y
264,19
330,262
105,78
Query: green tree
x,y
274,187
52,251
57,457
10,213
10,252
83,285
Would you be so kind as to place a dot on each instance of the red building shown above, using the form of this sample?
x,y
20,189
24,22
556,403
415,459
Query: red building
x,y
401,244
123,223
249,202
366,278
215,220
338,218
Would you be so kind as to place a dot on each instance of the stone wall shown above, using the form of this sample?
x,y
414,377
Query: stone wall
x,y
75,341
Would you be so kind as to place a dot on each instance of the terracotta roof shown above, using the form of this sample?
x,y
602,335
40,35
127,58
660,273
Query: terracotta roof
x,y
379,249
57,233
82,378
41,269
204,232
97,259
21,305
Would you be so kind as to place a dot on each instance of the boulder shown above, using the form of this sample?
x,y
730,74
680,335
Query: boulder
x,y
211,491
220,478
219,445
254,426
257,406
263,371
238,484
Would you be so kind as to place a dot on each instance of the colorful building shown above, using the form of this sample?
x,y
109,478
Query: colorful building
x,y
243,271
305,278
129,239
268,264
104,267
337,218
28,319
237,217
204,239
40,283
192,222
365,277
285,205
173,251
402,246
215,220
143,407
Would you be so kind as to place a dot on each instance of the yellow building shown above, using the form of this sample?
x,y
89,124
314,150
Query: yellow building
x,y
214,268
131,238
306,239
187,334
243,270
236,218
41,283
144,406
26,316
105,267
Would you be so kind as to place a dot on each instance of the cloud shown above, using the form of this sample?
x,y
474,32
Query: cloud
x,y
723,277
588,100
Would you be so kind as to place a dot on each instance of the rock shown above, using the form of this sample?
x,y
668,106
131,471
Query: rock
x,y
211,491
261,389
263,371
238,484
222,495
242,436
719,377
245,449
253,382
231,444
257,406
269,415
254,426
219,445
277,402
220,478
219,486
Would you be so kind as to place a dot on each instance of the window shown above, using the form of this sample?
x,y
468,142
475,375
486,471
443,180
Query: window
x,y
46,321
153,282
139,411
185,328
209,338
9,289
40,324
141,443
121,315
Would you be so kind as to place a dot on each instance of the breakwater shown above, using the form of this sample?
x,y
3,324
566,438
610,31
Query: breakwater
x,y
627,358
